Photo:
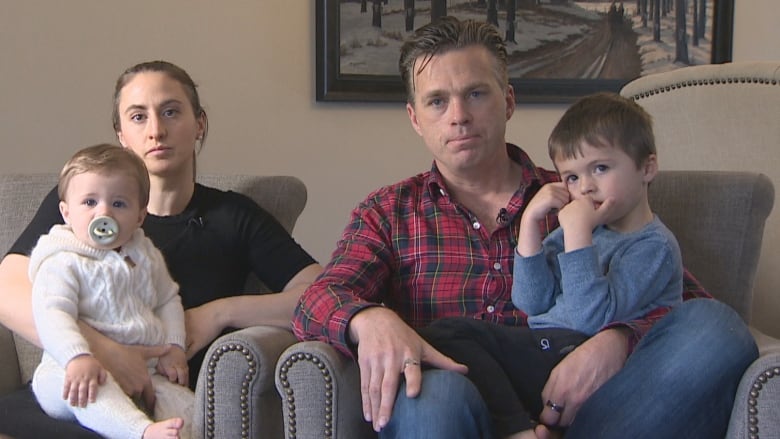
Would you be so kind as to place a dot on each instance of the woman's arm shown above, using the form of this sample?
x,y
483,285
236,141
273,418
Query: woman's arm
x,y
16,297
206,322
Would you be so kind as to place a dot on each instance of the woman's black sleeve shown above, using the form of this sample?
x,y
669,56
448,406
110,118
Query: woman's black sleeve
x,y
48,214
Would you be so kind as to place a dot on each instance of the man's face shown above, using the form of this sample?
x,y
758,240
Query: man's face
x,y
460,109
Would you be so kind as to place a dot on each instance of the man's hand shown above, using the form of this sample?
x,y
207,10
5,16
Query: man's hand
x,y
387,348
83,376
174,366
203,326
581,373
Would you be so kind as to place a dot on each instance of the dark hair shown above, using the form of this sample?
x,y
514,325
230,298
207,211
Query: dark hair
x,y
174,72
106,159
446,34
604,120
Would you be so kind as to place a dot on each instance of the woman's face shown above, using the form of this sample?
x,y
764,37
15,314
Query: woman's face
x,y
157,122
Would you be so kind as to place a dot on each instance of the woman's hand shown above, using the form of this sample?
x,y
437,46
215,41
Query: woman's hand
x,y
203,324
126,363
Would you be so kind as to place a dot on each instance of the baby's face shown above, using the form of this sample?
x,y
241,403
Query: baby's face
x,y
92,195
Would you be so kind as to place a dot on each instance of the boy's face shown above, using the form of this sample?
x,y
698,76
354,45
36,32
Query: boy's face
x,y
91,195
608,172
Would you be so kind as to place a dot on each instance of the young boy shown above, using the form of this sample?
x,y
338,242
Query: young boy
x,y
611,260
100,269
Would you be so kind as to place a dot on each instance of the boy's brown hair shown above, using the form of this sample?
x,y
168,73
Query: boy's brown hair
x,y
604,120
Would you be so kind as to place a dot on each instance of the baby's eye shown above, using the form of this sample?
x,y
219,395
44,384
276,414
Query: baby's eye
x,y
119,204
90,202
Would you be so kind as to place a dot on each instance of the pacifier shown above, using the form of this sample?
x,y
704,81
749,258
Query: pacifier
x,y
103,230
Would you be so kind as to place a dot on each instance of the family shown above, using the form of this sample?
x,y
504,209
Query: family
x,y
484,298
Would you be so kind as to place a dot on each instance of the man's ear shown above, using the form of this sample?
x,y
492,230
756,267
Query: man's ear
x,y
510,102
413,118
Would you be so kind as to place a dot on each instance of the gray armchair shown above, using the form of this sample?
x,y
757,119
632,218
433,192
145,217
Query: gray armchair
x,y
712,214
235,395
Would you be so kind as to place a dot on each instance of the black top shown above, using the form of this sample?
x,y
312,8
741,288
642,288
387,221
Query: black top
x,y
210,248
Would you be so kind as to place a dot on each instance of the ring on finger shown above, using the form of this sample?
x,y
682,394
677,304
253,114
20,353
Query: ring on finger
x,y
410,362
555,407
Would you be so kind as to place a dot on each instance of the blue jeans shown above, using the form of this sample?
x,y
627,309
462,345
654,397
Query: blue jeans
x,y
680,381
448,406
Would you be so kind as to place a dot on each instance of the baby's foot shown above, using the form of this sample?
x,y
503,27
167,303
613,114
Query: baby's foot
x,y
167,429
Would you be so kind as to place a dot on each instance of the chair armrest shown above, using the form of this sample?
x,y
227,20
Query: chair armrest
x,y
235,395
320,389
756,412
10,378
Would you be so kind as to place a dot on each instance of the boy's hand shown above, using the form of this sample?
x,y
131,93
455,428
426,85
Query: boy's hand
x,y
83,376
579,218
174,366
551,196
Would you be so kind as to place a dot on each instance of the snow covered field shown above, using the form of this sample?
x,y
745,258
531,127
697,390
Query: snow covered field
x,y
369,50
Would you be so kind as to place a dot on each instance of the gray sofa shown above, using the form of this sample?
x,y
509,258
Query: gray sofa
x,y
718,218
236,397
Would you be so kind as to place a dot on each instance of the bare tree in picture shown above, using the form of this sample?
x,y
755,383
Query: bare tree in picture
x,y
681,37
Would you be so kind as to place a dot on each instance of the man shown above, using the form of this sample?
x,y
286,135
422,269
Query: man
x,y
441,244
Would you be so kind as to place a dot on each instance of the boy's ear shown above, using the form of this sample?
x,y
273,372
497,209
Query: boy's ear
x,y
650,168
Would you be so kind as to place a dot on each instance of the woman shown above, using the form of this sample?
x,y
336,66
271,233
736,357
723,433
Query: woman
x,y
211,241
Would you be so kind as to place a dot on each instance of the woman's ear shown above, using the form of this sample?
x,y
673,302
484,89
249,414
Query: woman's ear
x,y
121,139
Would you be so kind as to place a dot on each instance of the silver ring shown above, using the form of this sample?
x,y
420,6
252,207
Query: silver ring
x,y
410,362
555,407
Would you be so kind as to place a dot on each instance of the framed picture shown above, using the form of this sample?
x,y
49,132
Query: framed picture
x,y
558,49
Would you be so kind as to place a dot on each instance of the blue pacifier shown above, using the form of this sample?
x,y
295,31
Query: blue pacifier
x,y
104,230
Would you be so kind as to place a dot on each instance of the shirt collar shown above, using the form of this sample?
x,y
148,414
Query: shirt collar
x,y
437,188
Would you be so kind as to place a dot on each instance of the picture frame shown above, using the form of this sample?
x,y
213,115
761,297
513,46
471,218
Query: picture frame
x,y
336,83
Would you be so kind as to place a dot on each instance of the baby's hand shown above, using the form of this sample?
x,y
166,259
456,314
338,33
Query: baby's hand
x,y
174,366
83,375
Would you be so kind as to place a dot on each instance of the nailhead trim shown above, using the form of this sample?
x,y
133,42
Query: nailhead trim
x,y
290,401
210,386
755,392
699,82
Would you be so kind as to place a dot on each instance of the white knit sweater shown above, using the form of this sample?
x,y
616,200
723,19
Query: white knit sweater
x,y
133,302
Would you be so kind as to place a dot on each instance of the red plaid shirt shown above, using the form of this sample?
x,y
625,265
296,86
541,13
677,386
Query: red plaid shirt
x,y
417,251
